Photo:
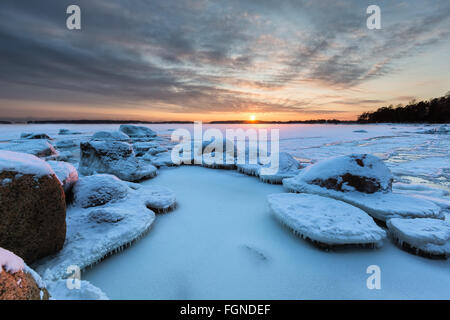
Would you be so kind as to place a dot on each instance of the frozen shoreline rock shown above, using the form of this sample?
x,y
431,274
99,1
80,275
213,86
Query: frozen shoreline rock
x,y
113,157
66,173
18,281
94,233
138,133
99,189
32,135
326,221
367,185
423,236
40,148
110,136
32,207
64,132
287,168
158,198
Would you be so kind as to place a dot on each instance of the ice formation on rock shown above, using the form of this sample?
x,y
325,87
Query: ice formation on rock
x,y
111,136
113,157
39,147
66,173
363,181
93,233
87,291
99,189
327,221
158,198
138,133
423,236
287,168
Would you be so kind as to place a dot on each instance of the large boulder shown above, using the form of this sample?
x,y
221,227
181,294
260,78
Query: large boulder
x,y
99,189
356,172
113,157
32,207
138,133
17,281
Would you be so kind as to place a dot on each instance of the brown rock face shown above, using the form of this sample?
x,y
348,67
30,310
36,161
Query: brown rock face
x,y
32,215
20,286
361,184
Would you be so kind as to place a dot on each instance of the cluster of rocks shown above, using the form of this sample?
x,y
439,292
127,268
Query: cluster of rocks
x,y
360,182
39,195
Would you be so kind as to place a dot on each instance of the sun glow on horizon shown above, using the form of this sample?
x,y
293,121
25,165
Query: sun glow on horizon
x,y
252,117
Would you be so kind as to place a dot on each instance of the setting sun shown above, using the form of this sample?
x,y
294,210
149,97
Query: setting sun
x,y
252,117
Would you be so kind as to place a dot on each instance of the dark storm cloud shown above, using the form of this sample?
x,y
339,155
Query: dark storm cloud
x,y
182,53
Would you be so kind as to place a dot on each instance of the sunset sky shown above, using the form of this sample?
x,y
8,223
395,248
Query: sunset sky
x,y
219,60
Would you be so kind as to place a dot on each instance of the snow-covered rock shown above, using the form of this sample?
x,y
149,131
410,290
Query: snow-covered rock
x,y
155,150
356,172
66,173
158,198
18,281
326,221
113,157
141,148
99,189
90,237
138,133
163,159
428,237
39,147
32,135
65,132
66,144
287,167
32,206
111,136
364,182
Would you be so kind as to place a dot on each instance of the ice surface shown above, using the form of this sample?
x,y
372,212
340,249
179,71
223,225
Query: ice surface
x,y
224,243
325,220
431,236
24,163
95,190
10,262
158,198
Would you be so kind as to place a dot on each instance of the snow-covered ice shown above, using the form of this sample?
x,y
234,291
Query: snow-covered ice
x,y
9,262
424,236
38,147
324,220
23,163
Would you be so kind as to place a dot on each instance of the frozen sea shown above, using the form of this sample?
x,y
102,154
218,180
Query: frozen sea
x,y
222,242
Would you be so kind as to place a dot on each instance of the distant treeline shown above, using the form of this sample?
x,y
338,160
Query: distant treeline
x,y
436,110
